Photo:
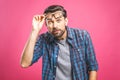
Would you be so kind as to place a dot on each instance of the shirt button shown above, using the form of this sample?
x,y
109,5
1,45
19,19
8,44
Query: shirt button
x,y
78,49
53,76
56,56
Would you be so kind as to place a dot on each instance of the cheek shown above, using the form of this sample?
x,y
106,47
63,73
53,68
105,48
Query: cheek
x,y
49,29
63,25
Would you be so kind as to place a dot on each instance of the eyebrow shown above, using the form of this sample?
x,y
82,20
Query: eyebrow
x,y
49,18
59,16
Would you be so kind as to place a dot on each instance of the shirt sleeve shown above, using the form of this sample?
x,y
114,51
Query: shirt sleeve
x,y
90,53
38,49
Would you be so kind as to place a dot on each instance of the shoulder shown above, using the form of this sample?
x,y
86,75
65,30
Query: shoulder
x,y
79,33
45,37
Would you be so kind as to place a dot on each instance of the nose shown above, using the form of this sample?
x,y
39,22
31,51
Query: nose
x,y
55,24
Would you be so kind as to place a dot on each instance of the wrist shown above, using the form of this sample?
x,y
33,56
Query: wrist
x,y
35,32
34,35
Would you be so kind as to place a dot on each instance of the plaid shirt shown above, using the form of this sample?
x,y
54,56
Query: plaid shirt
x,y
82,54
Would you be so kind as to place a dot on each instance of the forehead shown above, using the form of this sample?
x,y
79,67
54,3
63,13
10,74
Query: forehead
x,y
55,14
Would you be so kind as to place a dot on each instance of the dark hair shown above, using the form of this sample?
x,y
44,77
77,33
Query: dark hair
x,y
54,8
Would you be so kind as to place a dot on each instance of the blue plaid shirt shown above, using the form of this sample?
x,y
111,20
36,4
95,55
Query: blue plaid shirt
x,y
82,54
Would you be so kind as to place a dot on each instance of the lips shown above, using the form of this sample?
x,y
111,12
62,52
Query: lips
x,y
55,31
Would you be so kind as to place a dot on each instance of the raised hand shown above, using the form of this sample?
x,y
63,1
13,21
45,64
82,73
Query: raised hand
x,y
37,23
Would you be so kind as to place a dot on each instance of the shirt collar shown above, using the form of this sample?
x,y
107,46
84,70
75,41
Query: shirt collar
x,y
69,33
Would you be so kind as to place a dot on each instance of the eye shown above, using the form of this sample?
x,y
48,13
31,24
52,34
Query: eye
x,y
58,20
49,22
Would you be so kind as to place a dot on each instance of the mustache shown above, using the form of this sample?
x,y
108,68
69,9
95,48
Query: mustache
x,y
55,29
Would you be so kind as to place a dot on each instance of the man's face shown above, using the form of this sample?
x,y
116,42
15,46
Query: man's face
x,y
56,23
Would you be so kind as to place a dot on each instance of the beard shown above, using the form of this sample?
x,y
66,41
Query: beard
x,y
57,33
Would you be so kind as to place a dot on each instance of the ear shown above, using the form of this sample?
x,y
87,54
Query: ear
x,y
66,21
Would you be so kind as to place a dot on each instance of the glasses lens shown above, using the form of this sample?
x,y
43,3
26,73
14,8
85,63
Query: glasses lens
x,y
55,15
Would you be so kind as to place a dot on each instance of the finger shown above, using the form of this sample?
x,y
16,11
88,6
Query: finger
x,y
36,17
41,17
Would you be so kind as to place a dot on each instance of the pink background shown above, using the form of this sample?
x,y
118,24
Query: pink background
x,y
100,17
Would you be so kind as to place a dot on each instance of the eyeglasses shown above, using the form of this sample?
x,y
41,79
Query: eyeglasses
x,y
57,15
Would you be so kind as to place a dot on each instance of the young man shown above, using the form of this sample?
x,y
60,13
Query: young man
x,y
67,53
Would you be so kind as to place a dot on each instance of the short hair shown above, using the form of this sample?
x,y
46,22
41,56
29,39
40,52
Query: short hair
x,y
54,8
